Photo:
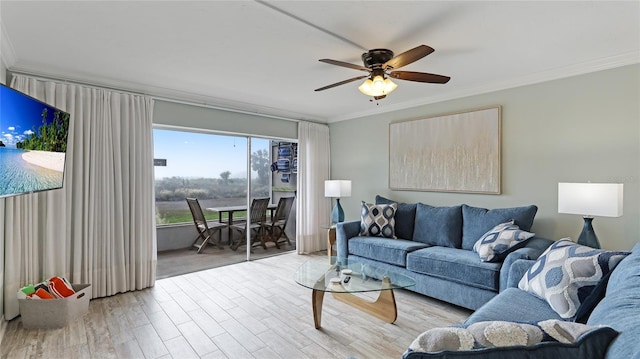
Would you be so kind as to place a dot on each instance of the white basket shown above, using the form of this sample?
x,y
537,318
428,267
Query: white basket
x,y
55,313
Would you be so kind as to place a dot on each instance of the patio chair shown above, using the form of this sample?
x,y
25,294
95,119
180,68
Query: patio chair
x,y
206,230
255,218
276,226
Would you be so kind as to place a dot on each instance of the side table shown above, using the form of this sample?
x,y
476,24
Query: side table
x,y
331,238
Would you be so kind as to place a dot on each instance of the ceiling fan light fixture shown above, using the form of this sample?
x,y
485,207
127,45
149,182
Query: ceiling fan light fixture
x,y
389,86
366,87
378,84
377,87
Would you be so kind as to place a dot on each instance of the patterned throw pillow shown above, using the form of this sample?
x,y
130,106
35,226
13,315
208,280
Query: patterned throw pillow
x,y
500,340
405,217
501,334
494,245
566,273
378,220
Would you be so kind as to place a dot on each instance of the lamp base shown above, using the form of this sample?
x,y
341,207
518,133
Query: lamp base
x,y
588,236
337,215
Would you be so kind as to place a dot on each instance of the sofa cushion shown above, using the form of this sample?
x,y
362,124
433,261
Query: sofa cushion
x,y
620,307
477,221
378,220
494,245
508,306
503,339
456,265
392,251
405,217
440,226
627,273
566,273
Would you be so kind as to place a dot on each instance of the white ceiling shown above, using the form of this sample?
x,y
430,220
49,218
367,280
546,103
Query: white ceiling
x,y
263,58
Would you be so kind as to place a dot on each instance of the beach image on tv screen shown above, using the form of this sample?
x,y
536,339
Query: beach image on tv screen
x,y
33,142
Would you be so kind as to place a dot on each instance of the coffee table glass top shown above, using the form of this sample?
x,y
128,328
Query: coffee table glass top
x,y
318,273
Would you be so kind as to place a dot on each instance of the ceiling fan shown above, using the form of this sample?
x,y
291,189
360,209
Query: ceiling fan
x,y
380,64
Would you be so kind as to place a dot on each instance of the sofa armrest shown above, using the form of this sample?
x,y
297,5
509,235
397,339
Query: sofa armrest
x,y
517,270
533,249
345,231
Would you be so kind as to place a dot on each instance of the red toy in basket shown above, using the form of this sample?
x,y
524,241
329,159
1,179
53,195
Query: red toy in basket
x,y
60,287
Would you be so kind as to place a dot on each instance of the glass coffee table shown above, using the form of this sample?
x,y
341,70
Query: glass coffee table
x,y
342,280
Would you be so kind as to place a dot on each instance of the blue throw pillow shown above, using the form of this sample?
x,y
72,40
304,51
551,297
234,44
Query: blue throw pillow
x,y
377,220
592,300
439,226
477,221
405,217
494,245
566,274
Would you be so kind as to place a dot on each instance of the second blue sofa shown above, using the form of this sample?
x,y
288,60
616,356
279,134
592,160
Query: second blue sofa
x,y
614,303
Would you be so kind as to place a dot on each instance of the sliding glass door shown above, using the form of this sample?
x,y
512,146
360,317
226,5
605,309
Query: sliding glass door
x,y
219,170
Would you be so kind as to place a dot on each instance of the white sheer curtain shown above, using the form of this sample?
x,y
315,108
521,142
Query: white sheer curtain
x,y
313,169
100,228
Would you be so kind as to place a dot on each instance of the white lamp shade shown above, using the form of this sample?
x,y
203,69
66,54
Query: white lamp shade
x,y
337,188
590,199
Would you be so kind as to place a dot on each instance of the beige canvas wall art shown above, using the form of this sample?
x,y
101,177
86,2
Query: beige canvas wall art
x,y
457,152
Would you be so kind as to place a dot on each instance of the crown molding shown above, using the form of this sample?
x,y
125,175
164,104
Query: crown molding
x,y
625,59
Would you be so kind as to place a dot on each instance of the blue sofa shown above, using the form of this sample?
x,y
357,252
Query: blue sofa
x,y
434,246
617,307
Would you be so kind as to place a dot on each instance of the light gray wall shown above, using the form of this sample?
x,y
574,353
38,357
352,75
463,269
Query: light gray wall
x,y
578,129
197,117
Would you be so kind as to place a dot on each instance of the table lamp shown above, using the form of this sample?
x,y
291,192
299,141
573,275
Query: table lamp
x,y
590,199
337,189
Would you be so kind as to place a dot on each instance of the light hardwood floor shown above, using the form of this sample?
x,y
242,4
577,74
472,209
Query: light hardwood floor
x,y
246,310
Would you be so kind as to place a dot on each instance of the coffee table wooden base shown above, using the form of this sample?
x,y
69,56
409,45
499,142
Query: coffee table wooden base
x,y
384,307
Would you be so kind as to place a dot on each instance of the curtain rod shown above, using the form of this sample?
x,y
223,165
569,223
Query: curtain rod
x,y
155,97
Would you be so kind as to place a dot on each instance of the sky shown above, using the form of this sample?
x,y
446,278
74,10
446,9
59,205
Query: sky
x,y
19,115
191,154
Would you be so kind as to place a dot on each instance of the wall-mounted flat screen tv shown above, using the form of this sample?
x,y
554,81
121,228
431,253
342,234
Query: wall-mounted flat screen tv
x,y
33,144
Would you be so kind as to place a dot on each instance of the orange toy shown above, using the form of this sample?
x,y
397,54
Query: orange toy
x,y
60,287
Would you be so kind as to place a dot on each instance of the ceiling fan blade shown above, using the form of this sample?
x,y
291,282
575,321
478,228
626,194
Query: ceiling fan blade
x,y
420,77
344,64
341,83
408,57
